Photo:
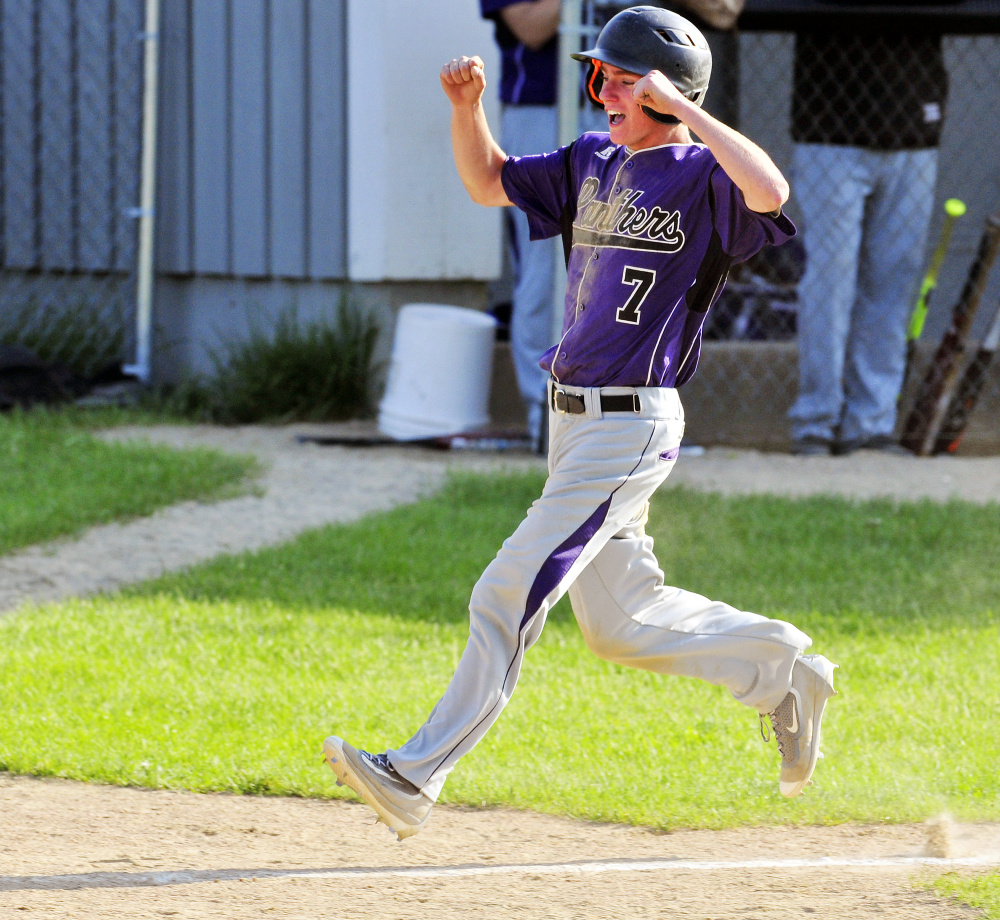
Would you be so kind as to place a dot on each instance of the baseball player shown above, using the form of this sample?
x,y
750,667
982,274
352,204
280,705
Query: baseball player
x,y
655,222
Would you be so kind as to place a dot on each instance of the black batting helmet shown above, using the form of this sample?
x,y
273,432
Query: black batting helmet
x,y
645,38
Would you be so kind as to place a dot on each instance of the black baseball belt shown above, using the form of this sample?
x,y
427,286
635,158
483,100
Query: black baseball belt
x,y
573,404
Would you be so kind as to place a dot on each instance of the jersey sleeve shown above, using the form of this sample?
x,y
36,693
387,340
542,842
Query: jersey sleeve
x,y
538,185
744,232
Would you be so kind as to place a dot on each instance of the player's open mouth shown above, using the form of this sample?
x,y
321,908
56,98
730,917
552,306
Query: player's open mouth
x,y
615,118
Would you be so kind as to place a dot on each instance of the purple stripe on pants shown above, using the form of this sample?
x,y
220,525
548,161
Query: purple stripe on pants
x,y
561,560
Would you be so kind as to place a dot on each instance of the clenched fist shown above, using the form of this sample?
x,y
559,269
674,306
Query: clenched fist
x,y
463,80
657,92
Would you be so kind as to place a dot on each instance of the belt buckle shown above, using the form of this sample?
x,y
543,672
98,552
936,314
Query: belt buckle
x,y
567,403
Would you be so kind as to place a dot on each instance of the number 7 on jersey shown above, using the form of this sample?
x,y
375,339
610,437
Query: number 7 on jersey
x,y
641,280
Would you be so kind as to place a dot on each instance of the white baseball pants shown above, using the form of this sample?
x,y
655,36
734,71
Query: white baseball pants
x,y
585,535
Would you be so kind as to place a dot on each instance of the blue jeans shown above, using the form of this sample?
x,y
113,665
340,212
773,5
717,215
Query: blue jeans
x,y
865,215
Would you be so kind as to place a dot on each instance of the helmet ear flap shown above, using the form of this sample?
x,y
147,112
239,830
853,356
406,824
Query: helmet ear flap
x,y
595,80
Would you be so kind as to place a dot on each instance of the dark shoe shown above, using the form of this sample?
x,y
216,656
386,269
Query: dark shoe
x,y
881,442
812,445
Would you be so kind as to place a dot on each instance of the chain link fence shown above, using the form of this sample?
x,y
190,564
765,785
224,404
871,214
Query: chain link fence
x,y
877,131
70,145
876,124
70,133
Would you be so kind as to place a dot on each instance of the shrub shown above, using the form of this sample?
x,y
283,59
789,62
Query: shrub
x,y
78,336
320,371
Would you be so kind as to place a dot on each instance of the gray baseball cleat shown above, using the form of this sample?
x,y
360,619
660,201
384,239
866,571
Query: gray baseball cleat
x,y
796,721
400,805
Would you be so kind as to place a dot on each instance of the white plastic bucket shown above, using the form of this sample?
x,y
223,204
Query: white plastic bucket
x,y
439,372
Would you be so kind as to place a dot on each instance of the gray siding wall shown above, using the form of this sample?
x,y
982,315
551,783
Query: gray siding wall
x,y
252,147
70,91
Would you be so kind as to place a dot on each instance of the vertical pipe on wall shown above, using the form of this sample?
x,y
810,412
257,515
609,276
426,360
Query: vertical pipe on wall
x,y
570,29
147,202
568,105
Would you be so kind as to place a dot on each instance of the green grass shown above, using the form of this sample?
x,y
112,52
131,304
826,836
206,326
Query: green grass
x,y
229,676
56,478
981,891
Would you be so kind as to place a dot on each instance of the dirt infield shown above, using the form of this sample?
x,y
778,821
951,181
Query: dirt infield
x,y
85,852
99,853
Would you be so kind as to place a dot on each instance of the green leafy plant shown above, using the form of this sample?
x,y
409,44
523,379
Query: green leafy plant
x,y
80,335
292,372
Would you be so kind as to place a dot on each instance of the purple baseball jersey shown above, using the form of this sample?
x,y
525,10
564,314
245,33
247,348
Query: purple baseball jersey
x,y
655,233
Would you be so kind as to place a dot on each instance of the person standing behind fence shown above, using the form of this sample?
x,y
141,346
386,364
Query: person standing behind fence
x,y
867,109
527,32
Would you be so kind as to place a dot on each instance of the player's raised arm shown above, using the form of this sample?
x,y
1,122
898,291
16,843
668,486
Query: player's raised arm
x,y
477,155
751,169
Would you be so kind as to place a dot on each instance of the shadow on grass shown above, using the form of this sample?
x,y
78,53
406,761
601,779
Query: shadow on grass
x,y
852,566
417,562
